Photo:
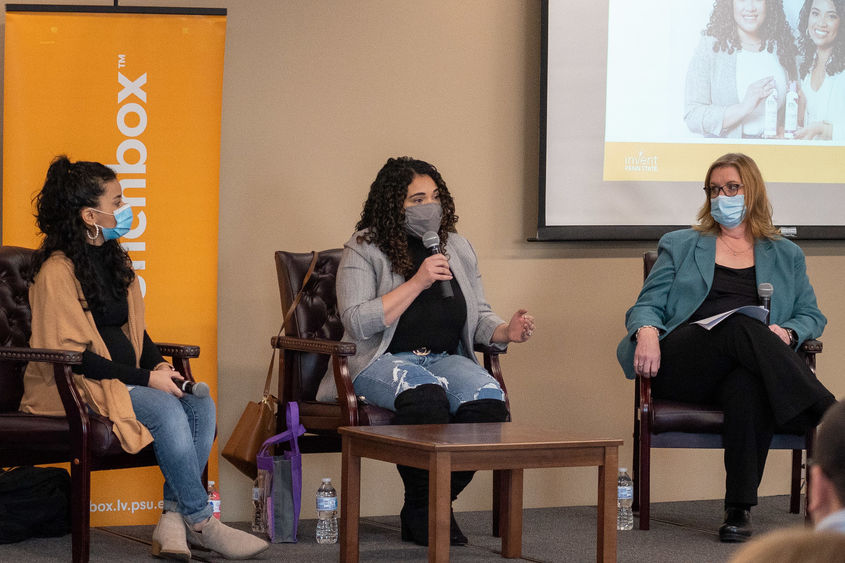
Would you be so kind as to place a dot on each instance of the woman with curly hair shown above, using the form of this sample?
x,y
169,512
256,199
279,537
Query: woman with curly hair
x,y
822,78
414,344
85,297
746,53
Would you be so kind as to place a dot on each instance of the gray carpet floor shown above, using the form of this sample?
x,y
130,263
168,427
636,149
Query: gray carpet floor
x,y
680,532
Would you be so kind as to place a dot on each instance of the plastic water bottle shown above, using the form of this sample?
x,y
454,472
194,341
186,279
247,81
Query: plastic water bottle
x,y
214,499
624,500
259,504
326,513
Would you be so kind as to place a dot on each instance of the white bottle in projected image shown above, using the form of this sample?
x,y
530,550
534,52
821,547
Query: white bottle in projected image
x,y
770,128
790,119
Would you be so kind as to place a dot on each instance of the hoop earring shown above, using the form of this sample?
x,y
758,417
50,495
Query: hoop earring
x,y
96,233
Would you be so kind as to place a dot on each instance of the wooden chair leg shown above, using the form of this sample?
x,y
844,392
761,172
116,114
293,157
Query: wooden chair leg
x,y
636,465
644,479
795,489
80,509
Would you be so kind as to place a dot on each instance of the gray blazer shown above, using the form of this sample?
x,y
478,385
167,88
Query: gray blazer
x,y
364,275
710,89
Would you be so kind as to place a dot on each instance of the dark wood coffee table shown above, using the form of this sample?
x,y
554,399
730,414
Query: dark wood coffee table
x,y
443,448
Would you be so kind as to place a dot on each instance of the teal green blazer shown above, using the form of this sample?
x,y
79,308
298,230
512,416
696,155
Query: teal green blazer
x,y
682,276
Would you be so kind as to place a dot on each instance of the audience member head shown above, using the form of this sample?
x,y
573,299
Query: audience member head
x,y
794,545
823,32
384,210
758,210
827,470
71,210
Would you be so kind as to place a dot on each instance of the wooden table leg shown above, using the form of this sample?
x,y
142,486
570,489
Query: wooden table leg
x,y
606,507
511,517
351,504
439,502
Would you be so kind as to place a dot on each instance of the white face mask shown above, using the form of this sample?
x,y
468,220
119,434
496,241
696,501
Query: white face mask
x,y
419,219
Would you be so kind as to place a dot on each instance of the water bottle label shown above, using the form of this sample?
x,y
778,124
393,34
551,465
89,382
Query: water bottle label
x,y
625,492
326,503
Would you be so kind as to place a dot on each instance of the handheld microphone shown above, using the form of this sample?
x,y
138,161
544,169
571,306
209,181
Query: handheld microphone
x,y
198,389
431,241
764,292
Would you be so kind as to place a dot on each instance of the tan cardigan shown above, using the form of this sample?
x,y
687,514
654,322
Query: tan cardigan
x,y
59,321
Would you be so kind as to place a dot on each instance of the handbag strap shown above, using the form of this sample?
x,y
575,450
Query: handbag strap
x,y
291,309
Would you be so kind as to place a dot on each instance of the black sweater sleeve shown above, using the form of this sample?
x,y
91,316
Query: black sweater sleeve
x,y
150,355
95,366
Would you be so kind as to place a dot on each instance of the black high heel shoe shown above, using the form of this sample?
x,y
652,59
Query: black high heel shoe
x,y
415,526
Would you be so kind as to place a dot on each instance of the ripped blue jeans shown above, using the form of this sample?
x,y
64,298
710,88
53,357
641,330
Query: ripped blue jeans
x,y
391,374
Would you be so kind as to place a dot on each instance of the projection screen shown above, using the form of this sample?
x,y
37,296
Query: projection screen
x,y
635,105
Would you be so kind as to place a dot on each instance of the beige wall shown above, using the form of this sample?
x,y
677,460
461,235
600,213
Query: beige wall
x,y
317,95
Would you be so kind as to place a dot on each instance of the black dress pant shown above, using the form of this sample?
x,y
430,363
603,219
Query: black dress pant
x,y
760,383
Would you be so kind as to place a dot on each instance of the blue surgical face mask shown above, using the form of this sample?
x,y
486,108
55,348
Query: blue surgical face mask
x,y
123,219
728,211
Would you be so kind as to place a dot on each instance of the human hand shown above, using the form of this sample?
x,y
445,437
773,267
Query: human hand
x,y
521,327
161,379
434,268
758,91
782,333
816,130
647,353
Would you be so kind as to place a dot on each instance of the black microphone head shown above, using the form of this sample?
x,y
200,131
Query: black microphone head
x,y
200,389
765,290
430,238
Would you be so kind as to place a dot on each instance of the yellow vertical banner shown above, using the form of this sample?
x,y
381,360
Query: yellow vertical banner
x,y
138,89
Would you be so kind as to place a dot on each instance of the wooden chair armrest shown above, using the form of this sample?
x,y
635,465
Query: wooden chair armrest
x,y
644,386
41,355
178,350
62,360
313,345
493,367
811,346
493,350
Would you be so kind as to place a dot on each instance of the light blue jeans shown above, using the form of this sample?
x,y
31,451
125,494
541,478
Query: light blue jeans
x,y
183,431
391,374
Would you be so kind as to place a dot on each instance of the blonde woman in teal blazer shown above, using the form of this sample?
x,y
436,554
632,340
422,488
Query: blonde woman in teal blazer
x,y
748,368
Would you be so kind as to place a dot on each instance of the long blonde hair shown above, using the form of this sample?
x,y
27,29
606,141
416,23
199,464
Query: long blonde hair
x,y
758,210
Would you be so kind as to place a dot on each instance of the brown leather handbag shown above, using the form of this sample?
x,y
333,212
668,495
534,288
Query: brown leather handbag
x,y
258,421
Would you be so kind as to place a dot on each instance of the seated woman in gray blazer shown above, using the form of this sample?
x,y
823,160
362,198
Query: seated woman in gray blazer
x,y
415,345
751,370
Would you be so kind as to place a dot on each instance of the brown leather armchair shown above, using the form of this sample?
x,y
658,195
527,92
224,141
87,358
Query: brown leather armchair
x,y
312,340
81,437
670,424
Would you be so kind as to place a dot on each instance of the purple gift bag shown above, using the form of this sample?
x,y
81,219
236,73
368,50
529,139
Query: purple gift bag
x,y
283,479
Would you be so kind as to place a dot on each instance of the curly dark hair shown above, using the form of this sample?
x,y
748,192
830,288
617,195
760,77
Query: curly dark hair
x,y
383,216
808,48
69,188
775,33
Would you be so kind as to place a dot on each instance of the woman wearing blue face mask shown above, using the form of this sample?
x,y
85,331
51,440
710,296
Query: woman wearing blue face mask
x,y
414,345
85,297
751,370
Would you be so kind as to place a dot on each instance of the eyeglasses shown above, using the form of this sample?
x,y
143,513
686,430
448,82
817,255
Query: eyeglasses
x,y
730,190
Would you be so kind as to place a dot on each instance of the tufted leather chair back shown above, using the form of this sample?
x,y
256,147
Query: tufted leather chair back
x,y
15,320
316,316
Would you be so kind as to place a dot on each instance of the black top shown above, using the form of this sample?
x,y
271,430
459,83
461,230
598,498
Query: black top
x,y
731,288
110,319
430,321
